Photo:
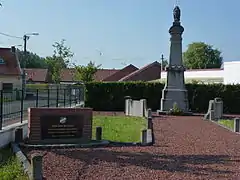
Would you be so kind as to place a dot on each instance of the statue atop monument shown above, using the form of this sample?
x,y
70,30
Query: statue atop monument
x,y
176,14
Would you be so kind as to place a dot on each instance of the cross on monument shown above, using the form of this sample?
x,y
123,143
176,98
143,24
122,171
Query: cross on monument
x,y
177,3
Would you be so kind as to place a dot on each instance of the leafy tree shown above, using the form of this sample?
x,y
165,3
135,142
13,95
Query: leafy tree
x,y
62,53
32,60
202,56
86,73
60,60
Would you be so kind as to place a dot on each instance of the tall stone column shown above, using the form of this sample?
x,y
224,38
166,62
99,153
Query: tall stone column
x,y
174,90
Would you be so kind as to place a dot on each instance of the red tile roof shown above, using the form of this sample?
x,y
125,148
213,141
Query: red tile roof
x,y
147,73
102,74
121,73
37,75
10,65
67,75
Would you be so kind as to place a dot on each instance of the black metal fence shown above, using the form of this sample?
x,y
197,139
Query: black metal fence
x,y
14,108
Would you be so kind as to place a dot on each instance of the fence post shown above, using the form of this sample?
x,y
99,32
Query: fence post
x,y
37,98
76,96
57,97
70,97
22,104
48,91
79,95
1,110
64,97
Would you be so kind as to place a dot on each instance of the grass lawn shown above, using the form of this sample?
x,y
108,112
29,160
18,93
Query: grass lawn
x,y
227,123
10,168
119,128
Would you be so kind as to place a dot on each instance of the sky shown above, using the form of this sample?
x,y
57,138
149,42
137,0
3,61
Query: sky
x,y
124,31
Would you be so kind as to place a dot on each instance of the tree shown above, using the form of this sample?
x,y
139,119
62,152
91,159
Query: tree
x,y
202,56
86,73
62,53
32,60
60,60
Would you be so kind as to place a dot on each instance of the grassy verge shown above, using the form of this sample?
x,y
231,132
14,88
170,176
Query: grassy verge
x,y
227,123
119,128
10,168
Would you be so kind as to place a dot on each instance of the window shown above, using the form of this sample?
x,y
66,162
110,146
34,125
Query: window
x,y
7,86
2,61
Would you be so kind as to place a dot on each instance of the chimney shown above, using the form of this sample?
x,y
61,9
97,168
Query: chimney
x,y
13,49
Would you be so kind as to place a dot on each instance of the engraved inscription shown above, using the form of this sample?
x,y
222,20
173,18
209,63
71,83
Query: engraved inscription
x,y
55,127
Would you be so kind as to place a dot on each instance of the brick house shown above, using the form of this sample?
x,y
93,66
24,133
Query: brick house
x,y
36,76
129,73
10,70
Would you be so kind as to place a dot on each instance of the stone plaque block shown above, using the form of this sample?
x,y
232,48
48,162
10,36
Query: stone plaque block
x,y
59,125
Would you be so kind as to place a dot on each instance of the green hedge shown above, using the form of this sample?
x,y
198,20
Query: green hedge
x,y
37,86
110,96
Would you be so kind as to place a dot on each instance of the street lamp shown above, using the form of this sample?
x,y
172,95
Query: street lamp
x,y
25,38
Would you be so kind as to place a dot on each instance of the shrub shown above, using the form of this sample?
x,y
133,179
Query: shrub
x,y
175,110
110,96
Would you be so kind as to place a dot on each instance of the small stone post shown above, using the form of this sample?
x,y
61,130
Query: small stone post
x,y
144,136
149,115
147,138
237,125
127,105
36,167
18,135
149,119
98,133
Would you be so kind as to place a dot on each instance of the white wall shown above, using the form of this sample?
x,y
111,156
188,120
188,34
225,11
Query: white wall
x,y
199,74
232,72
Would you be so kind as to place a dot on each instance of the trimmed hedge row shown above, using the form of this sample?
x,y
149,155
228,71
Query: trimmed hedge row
x,y
110,96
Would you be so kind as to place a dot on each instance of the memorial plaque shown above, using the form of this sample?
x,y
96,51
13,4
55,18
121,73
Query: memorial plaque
x,y
61,127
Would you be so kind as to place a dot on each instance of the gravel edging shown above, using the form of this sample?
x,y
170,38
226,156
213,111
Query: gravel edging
x,y
101,144
22,159
229,129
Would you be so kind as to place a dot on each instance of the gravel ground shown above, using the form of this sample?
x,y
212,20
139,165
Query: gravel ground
x,y
185,148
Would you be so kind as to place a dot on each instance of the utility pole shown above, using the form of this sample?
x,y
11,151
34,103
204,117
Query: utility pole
x,y
162,59
25,38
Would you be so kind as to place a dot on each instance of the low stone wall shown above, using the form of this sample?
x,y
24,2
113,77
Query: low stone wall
x,y
7,134
215,109
136,107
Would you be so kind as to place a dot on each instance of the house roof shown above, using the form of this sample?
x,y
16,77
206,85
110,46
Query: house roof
x,y
36,74
135,74
102,74
67,75
9,63
121,73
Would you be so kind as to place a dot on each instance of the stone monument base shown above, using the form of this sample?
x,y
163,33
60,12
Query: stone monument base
x,y
171,96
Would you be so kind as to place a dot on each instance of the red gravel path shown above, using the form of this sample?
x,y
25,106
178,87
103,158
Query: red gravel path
x,y
185,148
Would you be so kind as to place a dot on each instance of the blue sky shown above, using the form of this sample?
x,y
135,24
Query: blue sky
x,y
126,31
